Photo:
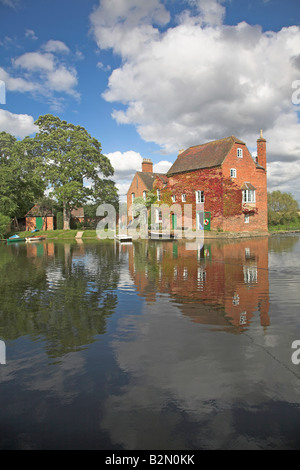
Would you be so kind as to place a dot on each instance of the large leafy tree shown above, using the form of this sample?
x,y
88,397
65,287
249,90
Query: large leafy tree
x,y
282,208
73,164
21,182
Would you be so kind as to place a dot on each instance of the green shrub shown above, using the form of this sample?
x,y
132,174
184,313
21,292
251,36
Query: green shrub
x,y
4,225
59,221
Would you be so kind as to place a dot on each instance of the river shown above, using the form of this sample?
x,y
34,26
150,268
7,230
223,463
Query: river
x,y
150,345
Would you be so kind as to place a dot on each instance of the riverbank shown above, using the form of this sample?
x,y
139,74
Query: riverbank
x,y
92,234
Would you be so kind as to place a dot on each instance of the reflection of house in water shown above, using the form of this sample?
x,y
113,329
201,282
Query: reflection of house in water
x,y
218,284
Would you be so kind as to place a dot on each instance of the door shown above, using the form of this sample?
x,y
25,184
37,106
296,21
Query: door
x,y
39,223
207,220
174,221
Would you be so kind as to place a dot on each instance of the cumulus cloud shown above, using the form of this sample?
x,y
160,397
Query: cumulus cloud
x,y
19,125
56,46
42,73
200,79
125,165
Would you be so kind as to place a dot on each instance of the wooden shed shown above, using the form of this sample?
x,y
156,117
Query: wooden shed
x,y
39,218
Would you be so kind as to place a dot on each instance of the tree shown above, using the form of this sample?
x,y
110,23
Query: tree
x,y
73,164
21,183
282,208
4,225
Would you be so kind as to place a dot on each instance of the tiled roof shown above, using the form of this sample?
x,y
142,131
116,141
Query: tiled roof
x,y
208,155
148,178
248,186
78,212
39,211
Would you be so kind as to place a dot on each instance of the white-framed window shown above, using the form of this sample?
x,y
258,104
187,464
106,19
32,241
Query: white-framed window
x,y
240,153
144,195
247,218
132,197
158,194
174,198
183,197
249,195
199,197
232,172
158,214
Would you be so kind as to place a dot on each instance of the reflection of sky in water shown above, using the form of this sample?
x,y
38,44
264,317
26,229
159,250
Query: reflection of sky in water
x,y
157,376
182,374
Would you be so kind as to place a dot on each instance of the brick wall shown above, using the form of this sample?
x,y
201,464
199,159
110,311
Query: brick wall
x,y
223,193
137,187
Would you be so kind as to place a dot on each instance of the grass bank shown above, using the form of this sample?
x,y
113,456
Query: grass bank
x,y
58,234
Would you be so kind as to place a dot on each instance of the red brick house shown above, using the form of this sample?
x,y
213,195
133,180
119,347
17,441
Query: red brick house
x,y
142,183
222,179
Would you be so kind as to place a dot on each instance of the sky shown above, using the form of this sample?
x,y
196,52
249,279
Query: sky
x,y
148,78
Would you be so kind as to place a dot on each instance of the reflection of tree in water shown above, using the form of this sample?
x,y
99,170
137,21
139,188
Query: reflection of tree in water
x,y
283,243
64,299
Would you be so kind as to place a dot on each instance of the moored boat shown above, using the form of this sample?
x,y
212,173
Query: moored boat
x,y
15,239
34,239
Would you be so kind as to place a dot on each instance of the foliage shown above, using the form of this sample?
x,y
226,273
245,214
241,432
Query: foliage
x,y
72,164
21,183
4,225
282,208
59,221
222,196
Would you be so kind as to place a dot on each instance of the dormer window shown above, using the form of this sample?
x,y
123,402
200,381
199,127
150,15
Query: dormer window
x,y
240,153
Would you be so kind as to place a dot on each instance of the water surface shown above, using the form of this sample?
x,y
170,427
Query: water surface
x,y
154,345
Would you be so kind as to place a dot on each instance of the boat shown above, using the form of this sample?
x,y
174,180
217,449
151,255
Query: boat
x,y
34,239
15,239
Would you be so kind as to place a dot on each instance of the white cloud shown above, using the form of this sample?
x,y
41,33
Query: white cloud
x,y
200,79
162,167
19,125
29,33
43,74
125,164
56,46
10,3
35,61
63,80
16,84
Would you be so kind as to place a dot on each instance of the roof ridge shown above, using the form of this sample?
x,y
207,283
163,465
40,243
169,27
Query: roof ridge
x,y
232,137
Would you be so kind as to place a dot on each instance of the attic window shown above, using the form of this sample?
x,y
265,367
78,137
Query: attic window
x,y
240,153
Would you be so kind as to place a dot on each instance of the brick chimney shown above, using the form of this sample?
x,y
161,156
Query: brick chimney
x,y
261,151
147,165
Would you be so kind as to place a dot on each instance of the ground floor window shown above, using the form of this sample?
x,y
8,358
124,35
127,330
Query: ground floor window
x,y
158,216
248,195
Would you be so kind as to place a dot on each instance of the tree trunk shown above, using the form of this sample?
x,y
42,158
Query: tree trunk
x,y
67,216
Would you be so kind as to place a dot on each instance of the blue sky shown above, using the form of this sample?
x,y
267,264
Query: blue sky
x,y
150,77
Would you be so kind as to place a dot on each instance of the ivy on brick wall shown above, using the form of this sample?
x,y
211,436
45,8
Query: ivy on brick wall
x,y
223,198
